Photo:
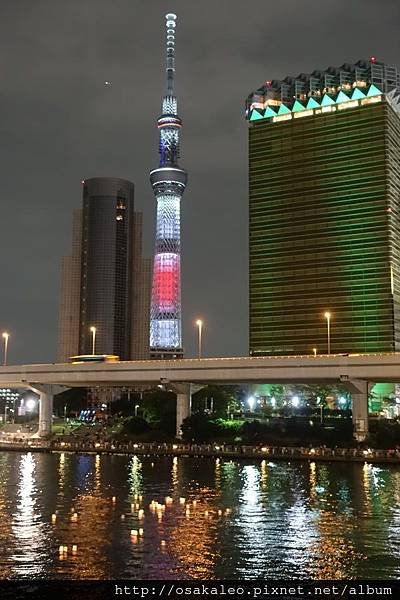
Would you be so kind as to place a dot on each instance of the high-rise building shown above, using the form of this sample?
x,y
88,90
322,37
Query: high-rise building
x,y
168,183
104,280
140,317
70,295
324,209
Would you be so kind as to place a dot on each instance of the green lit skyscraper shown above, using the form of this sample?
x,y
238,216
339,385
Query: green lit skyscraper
x,y
324,187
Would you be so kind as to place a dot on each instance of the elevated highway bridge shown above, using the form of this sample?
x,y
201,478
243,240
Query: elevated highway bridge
x,y
357,371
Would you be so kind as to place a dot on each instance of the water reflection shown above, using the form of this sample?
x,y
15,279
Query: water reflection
x,y
28,528
131,517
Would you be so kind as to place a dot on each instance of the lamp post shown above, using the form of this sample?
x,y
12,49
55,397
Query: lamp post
x,y
136,409
327,316
5,337
93,332
315,351
199,324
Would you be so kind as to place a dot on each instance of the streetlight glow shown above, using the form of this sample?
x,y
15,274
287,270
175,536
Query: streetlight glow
x,y
93,332
251,402
5,337
315,351
199,324
295,401
30,404
327,316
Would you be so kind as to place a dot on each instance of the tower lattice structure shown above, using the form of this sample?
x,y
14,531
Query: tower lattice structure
x,y
168,183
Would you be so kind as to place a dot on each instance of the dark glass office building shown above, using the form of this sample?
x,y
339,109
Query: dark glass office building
x,y
106,281
107,265
324,209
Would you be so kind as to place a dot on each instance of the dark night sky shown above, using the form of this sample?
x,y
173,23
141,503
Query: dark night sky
x,y
60,123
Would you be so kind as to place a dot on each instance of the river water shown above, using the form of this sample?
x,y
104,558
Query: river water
x,y
224,519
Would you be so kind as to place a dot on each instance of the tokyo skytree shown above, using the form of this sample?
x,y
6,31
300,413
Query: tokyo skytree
x,y
168,183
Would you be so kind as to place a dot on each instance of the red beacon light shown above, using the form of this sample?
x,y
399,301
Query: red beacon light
x,y
373,59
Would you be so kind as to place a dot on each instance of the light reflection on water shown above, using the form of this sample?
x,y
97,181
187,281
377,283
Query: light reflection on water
x,y
225,519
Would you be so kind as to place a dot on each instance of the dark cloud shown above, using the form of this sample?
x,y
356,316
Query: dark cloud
x,y
60,123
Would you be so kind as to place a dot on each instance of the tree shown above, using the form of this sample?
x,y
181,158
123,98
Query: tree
x,y
159,409
199,428
135,425
222,399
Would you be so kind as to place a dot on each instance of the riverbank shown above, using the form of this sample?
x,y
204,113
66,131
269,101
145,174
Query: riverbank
x,y
317,454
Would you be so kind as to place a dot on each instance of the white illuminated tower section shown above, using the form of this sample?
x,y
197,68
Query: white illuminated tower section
x,y
168,183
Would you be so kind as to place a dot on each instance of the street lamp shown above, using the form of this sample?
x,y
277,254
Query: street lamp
x,y
5,337
93,332
315,351
327,316
136,409
199,324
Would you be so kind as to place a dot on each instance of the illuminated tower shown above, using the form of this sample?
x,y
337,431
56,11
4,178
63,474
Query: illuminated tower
x,y
168,183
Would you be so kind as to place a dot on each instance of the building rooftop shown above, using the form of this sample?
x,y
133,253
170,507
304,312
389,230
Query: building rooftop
x,y
351,83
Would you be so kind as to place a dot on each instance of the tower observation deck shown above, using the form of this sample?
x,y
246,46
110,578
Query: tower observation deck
x,y
168,183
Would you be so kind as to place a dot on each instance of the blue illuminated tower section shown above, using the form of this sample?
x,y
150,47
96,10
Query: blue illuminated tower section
x,y
168,183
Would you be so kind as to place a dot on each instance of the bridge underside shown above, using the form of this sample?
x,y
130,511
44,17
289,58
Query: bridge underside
x,y
355,371
184,391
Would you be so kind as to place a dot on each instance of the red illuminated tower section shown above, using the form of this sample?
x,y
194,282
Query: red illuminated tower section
x,y
168,183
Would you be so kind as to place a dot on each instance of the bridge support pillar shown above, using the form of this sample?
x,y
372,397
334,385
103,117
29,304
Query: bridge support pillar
x,y
359,390
46,397
184,393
